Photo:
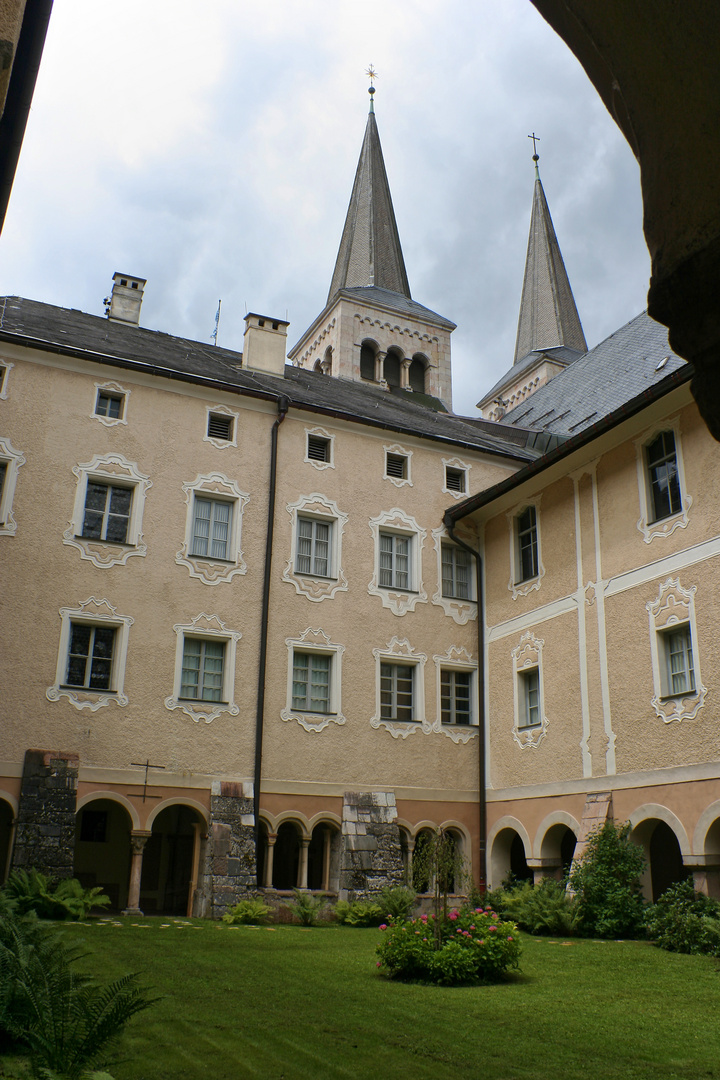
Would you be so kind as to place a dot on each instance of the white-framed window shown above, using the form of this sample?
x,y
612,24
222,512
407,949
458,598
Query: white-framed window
x,y
6,367
315,563
396,561
526,568
679,693
531,723
92,656
221,426
400,694
457,572
457,695
204,682
397,579
397,465
455,479
212,550
10,462
319,448
106,525
661,481
314,681
110,405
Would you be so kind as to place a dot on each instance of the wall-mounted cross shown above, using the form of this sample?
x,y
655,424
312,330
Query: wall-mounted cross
x,y
146,766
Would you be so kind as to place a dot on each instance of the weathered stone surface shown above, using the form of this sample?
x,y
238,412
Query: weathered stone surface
x,y
228,870
371,854
45,833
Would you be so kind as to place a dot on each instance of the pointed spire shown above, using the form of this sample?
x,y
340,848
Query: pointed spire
x,y
548,315
370,252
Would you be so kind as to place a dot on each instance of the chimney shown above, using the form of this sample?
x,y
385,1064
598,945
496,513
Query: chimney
x,y
265,344
123,305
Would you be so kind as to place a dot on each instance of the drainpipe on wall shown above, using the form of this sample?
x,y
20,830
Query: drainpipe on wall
x,y
482,786
283,404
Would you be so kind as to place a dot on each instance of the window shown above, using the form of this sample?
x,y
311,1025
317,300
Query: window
x,y
663,478
367,362
220,427
395,565
107,512
456,572
679,667
212,528
202,670
396,466
311,682
90,656
313,547
529,699
526,538
5,369
455,479
455,697
3,474
110,405
10,462
318,448
396,691
93,826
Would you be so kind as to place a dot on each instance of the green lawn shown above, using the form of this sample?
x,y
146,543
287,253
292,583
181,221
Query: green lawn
x,y
288,1003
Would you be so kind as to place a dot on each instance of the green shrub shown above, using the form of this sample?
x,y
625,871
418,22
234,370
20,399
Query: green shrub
x,y
542,909
48,899
685,921
359,913
398,902
247,912
466,948
607,884
306,907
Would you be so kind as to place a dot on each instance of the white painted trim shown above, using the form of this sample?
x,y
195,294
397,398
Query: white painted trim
x,y
13,459
212,628
316,641
92,612
110,796
557,817
527,656
115,389
459,610
515,587
397,600
665,526
459,659
322,509
461,466
221,410
706,820
108,468
321,433
206,569
400,649
7,365
674,606
582,637
654,811
610,737
400,451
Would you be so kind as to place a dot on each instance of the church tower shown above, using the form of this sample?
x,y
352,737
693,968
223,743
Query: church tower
x,y
371,330
549,334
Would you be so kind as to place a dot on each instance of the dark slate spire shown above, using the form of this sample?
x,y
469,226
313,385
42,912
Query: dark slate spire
x,y
370,252
548,315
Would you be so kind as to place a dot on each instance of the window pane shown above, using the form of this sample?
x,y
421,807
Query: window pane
x,y
680,661
526,526
663,476
201,526
396,691
192,653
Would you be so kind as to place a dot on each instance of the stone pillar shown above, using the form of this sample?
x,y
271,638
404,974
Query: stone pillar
x,y
230,866
270,860
706,873
545,868
138,840
371,856
327,845
303,868
410,853
380,366
405,372
45,832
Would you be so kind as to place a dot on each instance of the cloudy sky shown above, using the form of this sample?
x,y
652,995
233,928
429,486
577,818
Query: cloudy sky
x,y
211,149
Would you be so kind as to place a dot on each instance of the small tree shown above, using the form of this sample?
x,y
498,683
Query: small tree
x,y
606,882
438,867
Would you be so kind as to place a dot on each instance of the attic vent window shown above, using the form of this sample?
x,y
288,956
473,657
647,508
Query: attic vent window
x,y
454,479
261,322
318,449
396,466
220,427
134,284
274,326
123,281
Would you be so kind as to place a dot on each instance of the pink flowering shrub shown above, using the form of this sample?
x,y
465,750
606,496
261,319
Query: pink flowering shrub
x,y
470,946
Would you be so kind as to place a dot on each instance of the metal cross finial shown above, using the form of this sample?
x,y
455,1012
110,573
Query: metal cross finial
x,y
535,139
371,73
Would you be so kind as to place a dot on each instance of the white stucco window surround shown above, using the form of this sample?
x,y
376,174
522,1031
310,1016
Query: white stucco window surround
x,y
6,367
457,695
397,465
530,722
400,689
526,567
397,578
101,680
455,592
110,404
316,530
314,681
221,426
214,690
212,549
115,474
679,693
10,462
664,502
319,448
456,477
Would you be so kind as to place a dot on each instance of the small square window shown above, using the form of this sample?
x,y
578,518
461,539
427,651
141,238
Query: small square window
x,y
396,691
90,656
456,573
212,525
455,705
663,477
220,427
529,699
396,466
679,666
93,826
526,545
107,512
202,670
311,682
110,405
455,479
318,448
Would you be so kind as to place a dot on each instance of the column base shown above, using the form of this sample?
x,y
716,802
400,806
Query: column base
x,y
131,911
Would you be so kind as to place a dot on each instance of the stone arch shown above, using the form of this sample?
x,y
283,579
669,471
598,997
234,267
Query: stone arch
x,y
8,814
421,878
706,838
102,853
324,852
555,843
112,796
509,847
190,803
664,842
392,367
368,353
286,861
407,845
171,856
417,373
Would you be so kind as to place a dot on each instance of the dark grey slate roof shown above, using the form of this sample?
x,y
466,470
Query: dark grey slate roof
x,y
71,332
548,315
370,252
613,373
561,354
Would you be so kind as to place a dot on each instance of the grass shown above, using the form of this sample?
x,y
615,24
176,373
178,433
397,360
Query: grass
x,y
290,1003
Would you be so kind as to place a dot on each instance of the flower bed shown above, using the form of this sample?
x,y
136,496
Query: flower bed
x,y
469,946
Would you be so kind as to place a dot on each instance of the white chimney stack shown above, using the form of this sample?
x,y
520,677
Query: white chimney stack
x,y
265,344
124,303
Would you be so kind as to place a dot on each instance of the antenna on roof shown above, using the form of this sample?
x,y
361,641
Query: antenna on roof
x,y
217,323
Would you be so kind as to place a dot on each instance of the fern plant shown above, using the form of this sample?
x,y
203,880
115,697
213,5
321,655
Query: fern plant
x,y
248,913
66,899
542,909
306,907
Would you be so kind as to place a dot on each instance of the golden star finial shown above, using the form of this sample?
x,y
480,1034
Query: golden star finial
x,y
371,74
